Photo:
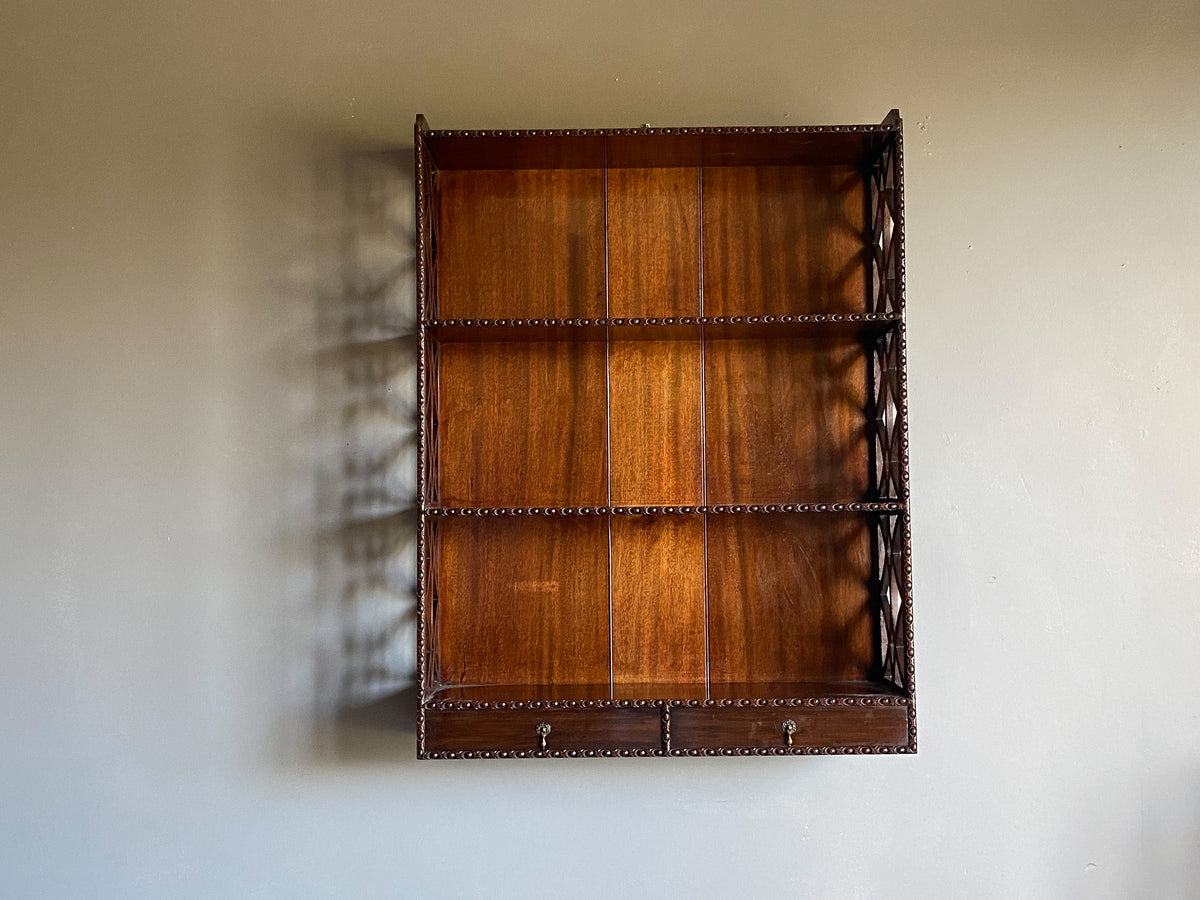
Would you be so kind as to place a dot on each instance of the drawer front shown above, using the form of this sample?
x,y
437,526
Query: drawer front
x,y
764,727
516,730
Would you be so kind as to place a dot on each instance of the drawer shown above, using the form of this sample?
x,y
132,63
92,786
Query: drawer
x,y
516,730
763,727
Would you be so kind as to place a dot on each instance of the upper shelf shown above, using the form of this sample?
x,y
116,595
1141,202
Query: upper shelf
x,y
732,242
656,329
650,146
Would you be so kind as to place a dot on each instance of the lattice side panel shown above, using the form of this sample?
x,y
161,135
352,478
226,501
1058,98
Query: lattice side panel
x,y
891,573
886,228
887,418
432,562
432,480
431,251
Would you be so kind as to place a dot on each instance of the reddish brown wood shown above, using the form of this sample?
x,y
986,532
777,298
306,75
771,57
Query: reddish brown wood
x,y
845,726
593,729
522,601
785,421
556,696
809,689
655,415
799,145
788,598
526,243
653,242
522,424
784,239
658,601
719,694
663,442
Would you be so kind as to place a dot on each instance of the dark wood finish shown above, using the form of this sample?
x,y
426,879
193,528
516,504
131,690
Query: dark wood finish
x,y
522,424
593,729
511,150
784,239
845,726
663,446
653,242
780,147
718,694
657,601
522,601
799,145
655,415
785,421
639,149
526,243
788,598
800,690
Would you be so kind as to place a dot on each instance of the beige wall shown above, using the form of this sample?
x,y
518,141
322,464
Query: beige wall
x,y
201,221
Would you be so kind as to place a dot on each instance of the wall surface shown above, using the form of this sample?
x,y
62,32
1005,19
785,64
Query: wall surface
x,y
206,452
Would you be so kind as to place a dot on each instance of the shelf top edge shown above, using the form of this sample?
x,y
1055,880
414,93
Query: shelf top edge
x,y
885,127
884,506
656,146
804,318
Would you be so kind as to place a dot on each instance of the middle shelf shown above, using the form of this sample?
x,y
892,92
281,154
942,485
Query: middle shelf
x,y
701,422
854,506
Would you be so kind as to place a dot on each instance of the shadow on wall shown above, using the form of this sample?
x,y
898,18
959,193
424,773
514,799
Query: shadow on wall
x,y
366,461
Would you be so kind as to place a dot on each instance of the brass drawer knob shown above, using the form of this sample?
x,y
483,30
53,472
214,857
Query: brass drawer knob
x,y
789,728
543,730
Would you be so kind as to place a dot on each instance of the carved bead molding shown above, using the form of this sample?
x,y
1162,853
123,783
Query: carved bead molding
x,y
884,317
643,130
890,506
724,703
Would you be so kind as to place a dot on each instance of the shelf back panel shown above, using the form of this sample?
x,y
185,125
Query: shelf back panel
x,y
789,598
522,601
785,421
522,424
523,243
784,240
643,149
653,242
655,414
658,599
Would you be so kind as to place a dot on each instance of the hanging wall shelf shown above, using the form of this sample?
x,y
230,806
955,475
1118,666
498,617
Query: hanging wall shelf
x,y
663,460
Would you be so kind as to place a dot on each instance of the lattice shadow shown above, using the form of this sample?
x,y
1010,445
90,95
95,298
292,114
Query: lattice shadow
x,y
366,485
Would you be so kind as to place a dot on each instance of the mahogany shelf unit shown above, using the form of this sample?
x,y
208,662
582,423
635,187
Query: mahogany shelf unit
x,y
663,452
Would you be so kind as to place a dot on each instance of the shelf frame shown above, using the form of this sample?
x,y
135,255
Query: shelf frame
x,y
881,329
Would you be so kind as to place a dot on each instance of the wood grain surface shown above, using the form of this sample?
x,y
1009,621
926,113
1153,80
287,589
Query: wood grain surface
x,y
521,243
523,601
523,424
658,599
594,729
785,421
654,431
784,239
847,726
788,598
653,242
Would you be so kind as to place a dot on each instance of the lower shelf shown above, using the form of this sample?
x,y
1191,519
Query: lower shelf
x,y
800,718
482,696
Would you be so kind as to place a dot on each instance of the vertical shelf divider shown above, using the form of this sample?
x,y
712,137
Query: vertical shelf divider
x,y
608,434
703,413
